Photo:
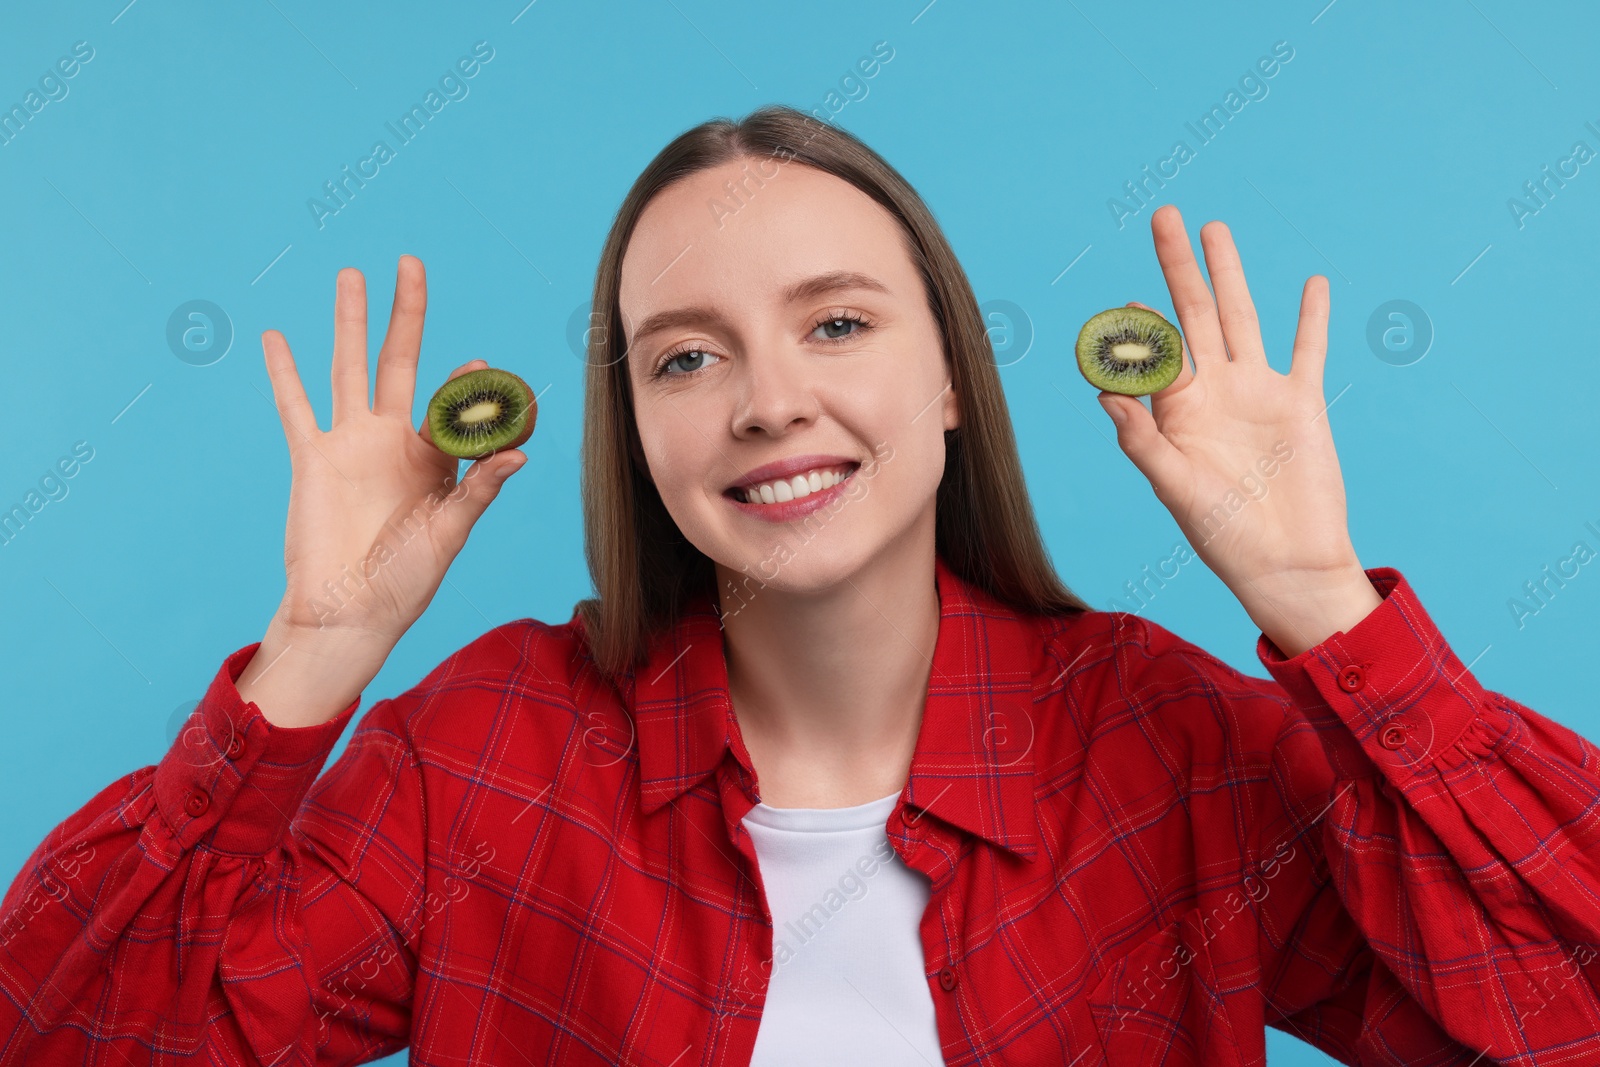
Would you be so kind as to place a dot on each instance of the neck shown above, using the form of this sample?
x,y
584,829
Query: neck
x,y
828,685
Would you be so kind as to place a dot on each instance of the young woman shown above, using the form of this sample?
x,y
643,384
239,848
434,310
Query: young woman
x,y
833,768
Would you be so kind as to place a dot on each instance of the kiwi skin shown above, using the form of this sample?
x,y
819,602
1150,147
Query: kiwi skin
x,y
1135,325
519,411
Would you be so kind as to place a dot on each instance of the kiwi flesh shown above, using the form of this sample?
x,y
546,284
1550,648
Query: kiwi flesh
x,y
1131,351
481,412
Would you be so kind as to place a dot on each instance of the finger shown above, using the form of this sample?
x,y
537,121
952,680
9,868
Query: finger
x,y
402,342
349,346
1197,315
1311,335
1185,374
288,395
469,497
1236,313
1137,435
471,364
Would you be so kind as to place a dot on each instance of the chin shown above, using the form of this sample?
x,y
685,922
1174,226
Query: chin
x,y
816,553
790,565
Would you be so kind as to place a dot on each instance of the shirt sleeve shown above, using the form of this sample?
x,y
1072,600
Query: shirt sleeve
x,y
1447,907
226,903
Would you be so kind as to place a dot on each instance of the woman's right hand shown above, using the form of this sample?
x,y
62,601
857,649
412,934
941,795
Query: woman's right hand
x,y
376,514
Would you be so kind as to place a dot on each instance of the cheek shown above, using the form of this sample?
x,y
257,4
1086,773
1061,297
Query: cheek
x,y
678,447
907,453
898,419
666,474
912,465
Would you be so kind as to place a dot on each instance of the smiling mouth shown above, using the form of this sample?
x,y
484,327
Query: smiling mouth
x,y
784,490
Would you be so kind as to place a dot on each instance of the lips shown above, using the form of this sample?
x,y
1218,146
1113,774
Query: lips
x,y
784,469
788,503
782,490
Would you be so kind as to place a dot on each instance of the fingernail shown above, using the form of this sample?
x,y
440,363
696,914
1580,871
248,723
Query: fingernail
x,y
1114,411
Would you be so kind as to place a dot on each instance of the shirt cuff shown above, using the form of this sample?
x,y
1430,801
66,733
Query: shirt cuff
x,y
233,774
1394,682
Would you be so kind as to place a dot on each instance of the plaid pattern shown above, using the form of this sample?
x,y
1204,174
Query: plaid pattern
x,y
1137,855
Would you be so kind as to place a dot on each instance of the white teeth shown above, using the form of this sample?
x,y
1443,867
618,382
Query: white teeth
x,y
801,485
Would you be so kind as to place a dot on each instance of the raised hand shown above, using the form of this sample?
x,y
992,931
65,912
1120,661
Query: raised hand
x,y
376,513
1243,456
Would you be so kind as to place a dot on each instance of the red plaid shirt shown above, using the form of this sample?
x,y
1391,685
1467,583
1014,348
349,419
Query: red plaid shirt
x,y
1137,855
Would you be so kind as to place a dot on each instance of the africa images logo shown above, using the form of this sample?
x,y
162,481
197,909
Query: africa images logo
x,y
452,85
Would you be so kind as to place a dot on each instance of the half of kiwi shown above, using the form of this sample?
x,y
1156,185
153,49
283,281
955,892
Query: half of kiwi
x,y
1130,350
481,412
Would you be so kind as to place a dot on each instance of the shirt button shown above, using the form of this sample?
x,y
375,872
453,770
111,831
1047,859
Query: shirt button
x,y
236,746
947,978
1393,736
1352,676
197,802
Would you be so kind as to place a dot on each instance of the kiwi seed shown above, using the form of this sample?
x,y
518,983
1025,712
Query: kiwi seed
x,y
481,412
1130,350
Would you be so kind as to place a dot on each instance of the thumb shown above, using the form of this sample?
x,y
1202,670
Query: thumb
x,y
1142,441
472,494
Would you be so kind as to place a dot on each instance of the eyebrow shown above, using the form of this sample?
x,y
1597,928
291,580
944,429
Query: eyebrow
x,y
805,289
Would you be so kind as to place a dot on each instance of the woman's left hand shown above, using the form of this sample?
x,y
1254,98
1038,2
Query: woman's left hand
x,y
1243,456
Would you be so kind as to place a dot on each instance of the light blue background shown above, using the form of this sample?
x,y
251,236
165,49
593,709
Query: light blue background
x,y
179,165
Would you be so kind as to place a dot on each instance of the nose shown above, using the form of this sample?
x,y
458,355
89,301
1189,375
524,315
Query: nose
x,y
775,391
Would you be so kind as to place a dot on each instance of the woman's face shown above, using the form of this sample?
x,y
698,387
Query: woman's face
x,y
742,353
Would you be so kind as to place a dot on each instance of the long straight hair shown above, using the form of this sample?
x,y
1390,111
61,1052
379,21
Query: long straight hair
x,y
644,571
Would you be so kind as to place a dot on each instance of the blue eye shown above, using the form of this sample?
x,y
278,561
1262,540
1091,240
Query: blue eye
x,y
697,356
687,354
839,318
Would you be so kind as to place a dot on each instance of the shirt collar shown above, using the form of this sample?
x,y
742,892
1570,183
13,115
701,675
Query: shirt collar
x,y
973,762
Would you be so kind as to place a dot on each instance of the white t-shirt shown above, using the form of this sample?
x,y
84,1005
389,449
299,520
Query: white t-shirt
x,y
847,980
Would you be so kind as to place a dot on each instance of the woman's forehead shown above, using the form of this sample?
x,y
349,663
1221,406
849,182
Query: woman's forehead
x,y
696,242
